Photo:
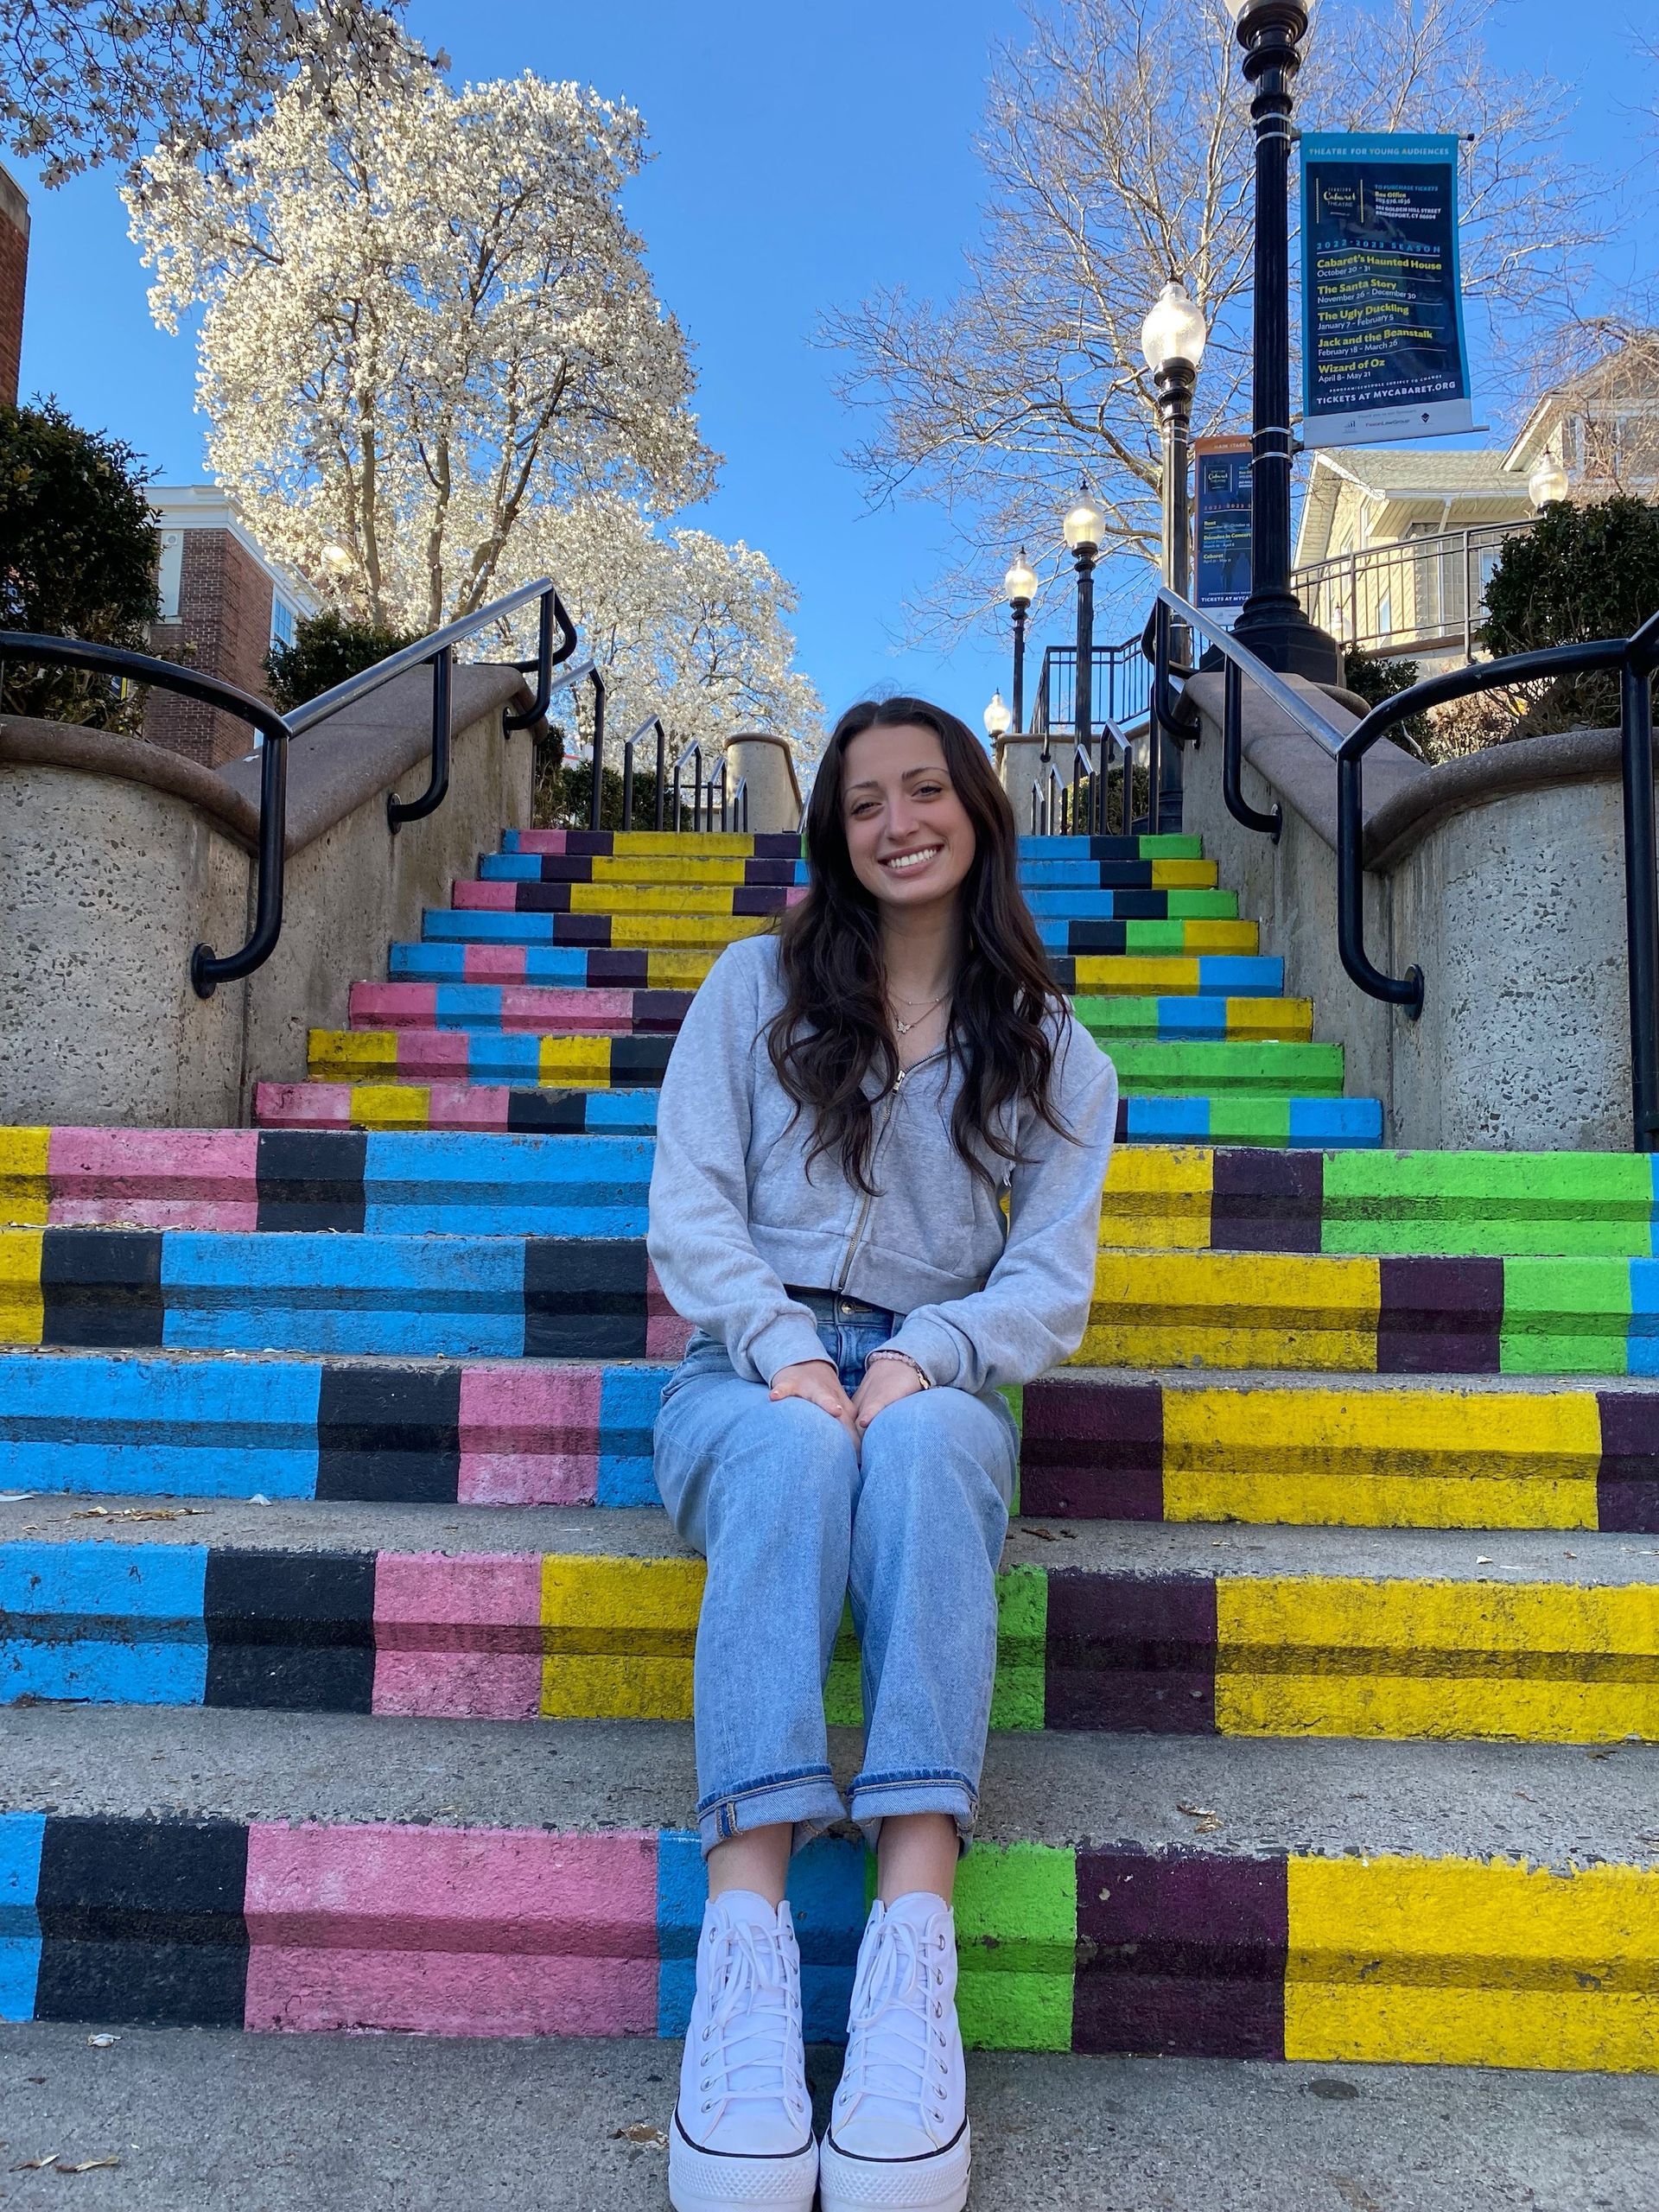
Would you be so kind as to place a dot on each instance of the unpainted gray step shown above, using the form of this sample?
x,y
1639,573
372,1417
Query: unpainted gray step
x,y
204,2120
1554,1805
1579,1557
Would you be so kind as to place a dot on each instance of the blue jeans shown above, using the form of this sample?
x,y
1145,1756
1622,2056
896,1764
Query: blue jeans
x,y
792,1520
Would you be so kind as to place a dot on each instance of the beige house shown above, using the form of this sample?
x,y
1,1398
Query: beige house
x,y
1395,543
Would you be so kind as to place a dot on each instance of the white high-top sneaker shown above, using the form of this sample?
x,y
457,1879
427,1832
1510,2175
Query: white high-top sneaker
x,y
742,2132
899,2133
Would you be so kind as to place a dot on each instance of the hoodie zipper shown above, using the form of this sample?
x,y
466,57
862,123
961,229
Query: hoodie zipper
x,y
868,1200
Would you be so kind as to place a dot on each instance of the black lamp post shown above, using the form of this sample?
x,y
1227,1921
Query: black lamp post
x,y
1172,338
1084,525
1020,585
1271,622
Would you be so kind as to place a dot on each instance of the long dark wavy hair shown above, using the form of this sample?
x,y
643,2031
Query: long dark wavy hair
x,y
833,1029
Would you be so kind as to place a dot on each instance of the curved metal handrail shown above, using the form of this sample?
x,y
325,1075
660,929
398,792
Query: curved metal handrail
x,y
1633,658
207,968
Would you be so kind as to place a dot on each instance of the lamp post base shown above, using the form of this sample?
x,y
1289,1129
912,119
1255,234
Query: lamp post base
x,y
1278,633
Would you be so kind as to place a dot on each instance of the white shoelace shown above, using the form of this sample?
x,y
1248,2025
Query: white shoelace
x,y
896,2050
749,2024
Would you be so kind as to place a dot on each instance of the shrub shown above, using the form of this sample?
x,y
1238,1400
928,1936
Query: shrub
x,y
326,649
78,548
1580,573
1376,680
564,795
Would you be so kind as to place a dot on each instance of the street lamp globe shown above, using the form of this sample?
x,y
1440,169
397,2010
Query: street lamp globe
x,y
1020,583
336,559
1173,331
998,720
1084,522
1549,482
1241,10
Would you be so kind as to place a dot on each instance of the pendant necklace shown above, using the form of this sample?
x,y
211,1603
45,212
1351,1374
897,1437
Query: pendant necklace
x,y
904,1028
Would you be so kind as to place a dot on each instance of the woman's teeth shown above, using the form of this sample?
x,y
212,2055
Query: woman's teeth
x,y
906,861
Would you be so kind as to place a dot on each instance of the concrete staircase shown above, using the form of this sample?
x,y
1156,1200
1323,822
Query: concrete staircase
x,y
347,1655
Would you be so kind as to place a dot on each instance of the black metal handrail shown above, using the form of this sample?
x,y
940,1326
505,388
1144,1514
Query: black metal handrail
x,y
1633,658
207,968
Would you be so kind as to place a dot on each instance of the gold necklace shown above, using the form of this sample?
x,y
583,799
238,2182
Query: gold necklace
x,y
904,1028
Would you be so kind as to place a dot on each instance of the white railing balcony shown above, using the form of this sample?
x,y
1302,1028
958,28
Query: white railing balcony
x,y
1424,597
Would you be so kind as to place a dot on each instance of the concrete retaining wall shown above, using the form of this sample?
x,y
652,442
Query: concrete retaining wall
x,y
115,859
1501,876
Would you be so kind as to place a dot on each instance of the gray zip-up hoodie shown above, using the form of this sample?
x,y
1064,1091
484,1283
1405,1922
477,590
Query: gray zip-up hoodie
x,y
735,1212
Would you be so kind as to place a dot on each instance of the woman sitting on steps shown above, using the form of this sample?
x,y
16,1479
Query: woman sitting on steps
x,y
847,1106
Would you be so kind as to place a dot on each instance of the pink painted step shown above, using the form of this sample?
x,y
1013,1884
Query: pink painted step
x,y
451,1931
542,1006
476,1106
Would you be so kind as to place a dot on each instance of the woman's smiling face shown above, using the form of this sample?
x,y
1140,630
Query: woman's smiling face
x,y
909,837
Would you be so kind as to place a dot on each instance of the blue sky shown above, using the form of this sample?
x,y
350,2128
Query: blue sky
x,y
803,157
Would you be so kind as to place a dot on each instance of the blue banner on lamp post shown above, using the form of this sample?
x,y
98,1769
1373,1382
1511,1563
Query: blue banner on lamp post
x,y
1221,561
1383,355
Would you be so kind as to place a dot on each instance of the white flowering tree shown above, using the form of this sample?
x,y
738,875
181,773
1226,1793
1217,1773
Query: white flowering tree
x,y
82,82
682,624
434,367
425,317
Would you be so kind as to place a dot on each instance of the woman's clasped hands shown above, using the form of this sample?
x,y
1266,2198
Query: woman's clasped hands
x,y
886,1381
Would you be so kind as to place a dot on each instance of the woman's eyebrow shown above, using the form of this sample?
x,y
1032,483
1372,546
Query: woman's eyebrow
x,y
873,783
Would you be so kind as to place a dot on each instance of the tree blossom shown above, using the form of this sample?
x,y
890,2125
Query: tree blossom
x,y
82,82
425,315
681,624
434,368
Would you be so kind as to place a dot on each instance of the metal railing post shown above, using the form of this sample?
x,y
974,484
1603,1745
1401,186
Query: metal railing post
x,y
208,969
595,797
416,809
1232,760
662,770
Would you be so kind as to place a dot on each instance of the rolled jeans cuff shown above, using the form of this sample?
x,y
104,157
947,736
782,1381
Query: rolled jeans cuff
x,y
877,1797
807,1799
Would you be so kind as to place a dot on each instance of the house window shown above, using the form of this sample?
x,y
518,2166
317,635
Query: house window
x,y
281,621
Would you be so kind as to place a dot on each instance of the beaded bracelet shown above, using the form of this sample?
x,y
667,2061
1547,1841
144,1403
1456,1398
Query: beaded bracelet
x,y
915,1365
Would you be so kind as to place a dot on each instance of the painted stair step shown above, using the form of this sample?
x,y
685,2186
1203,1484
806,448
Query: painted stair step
x,y
1430,1451
698,871
658,844
711,933
593,1616
446,1297
392,1182
1380,1451
729,845
583,1059
1174,1199
1178,847
570,967
1400,1316
510,1296
775,845
1469,1203
624,901
1231,1118
539,1009
1344,1903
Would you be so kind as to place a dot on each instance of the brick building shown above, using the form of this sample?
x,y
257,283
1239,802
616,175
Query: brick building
x,y
224,603
14,273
